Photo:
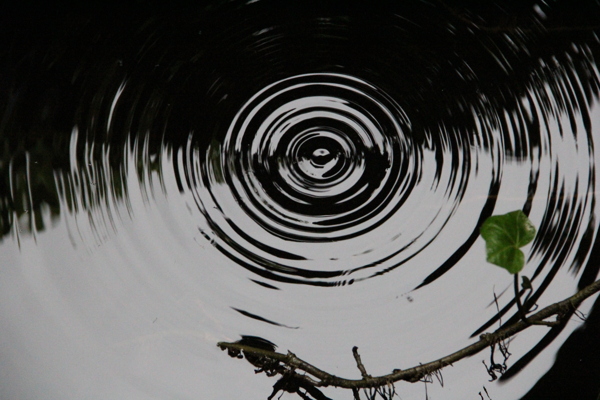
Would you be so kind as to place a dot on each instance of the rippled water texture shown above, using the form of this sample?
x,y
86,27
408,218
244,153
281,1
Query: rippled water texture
x,y
312,175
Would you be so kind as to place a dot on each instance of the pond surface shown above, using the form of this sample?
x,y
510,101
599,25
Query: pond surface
x,y
314,175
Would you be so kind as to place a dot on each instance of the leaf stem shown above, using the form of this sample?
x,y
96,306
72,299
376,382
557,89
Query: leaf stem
x,y
522,311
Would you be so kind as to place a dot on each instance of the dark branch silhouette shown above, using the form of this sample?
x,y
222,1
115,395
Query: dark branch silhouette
x,y
273,363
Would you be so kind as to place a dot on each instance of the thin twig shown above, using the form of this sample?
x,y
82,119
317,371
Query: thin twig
x,y
359,363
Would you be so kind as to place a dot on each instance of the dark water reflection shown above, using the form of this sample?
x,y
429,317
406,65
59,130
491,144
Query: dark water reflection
x,y
294,172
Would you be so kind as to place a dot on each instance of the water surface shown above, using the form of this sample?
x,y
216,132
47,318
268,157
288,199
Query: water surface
x,y
312,175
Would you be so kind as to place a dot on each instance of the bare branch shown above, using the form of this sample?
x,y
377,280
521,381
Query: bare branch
x,y
414,374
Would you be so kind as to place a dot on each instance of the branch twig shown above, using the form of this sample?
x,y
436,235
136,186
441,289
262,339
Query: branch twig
x,y
359,363
414,374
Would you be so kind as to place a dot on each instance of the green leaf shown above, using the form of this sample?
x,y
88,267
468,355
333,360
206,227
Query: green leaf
x,y
504,235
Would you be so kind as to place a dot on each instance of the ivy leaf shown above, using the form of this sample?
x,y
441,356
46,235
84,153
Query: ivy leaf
x,y
504,235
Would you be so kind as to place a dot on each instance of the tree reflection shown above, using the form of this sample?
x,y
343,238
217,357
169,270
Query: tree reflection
x,y
460,68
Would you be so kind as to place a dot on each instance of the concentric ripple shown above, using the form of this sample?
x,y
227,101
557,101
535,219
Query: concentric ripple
x,y
310,175
175,178
304,152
